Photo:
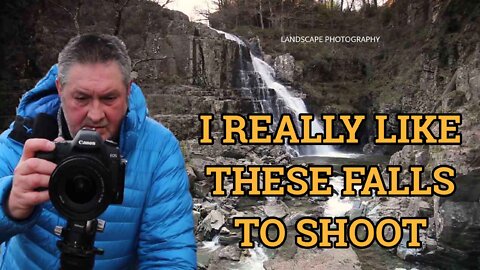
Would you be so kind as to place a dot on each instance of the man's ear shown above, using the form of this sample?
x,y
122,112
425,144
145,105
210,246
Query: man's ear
x,y
59,86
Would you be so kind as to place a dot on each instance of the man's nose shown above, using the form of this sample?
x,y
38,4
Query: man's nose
x,y
96,112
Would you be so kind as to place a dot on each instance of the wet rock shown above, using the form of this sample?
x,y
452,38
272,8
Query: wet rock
x,y
458,227
256,160
191,174
255,46
358,210
231,253
212,223
425,209
196,218
198,165
402,251
275,209
222,258
230,239
326,259
268,59
369,148
207,207
232,153
386,207
215,220
372,148
275,151
224,231
201,189
236,215
283,159
292,219
430,244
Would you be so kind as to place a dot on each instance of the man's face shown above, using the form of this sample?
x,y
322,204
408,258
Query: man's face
x,y
94,96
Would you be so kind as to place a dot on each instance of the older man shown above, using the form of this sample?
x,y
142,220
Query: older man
x,y
91,88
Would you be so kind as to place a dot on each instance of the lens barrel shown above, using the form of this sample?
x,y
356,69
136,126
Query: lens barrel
x,y
78,188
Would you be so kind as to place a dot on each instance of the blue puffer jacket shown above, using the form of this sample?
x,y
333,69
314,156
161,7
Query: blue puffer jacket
x,y
153,228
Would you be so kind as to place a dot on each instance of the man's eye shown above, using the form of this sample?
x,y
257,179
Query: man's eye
x,y
81,98
110,98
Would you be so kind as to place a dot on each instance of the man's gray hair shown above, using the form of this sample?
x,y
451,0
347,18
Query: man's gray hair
x,y
91,49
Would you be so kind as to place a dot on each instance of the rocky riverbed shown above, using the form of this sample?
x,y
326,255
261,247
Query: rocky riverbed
x,y
218,240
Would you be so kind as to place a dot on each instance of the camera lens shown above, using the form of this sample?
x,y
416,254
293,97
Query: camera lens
x,y
81,189
78,188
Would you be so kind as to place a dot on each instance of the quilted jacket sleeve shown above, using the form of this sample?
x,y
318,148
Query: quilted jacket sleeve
x,y
166,239
9,157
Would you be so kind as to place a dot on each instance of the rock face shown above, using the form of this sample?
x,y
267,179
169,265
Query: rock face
x,y
456,220
17,51
440,76
454,233
178,106
436,71
184,68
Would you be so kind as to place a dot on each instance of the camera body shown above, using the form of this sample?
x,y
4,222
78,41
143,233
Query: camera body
x,y
90,175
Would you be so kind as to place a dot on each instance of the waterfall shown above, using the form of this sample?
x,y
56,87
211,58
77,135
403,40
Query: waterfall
x,y
282,102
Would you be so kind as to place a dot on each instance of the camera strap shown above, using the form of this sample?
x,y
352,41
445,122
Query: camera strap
x,y
63,130
42,126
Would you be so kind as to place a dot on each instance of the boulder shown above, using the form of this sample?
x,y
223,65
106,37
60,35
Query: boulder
x,y
230,253
211,224
201,189
326,259
275,208
284,66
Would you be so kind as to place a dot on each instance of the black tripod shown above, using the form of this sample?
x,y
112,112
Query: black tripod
x,y
78,252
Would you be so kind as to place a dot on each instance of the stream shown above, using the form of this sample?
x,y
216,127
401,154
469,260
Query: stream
x,y
373,257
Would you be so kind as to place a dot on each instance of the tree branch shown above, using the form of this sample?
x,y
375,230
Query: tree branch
x,y
166,3
73,16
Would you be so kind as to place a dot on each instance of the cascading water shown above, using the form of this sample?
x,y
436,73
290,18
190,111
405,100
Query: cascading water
x,y
256,79
281,102
293,104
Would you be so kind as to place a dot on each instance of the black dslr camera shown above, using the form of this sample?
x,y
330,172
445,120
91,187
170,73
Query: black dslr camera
x,y
89,176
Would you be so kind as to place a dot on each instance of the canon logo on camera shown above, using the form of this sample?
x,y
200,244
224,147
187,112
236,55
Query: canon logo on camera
x,y
82,142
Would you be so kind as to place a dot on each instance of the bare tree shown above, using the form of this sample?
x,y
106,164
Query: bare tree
x,y
271,17
73,15
352,5
119,10
221,4
260,11
165,3
282,29
204,13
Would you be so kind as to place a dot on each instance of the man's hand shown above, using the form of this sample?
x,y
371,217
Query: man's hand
x,y
30,174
